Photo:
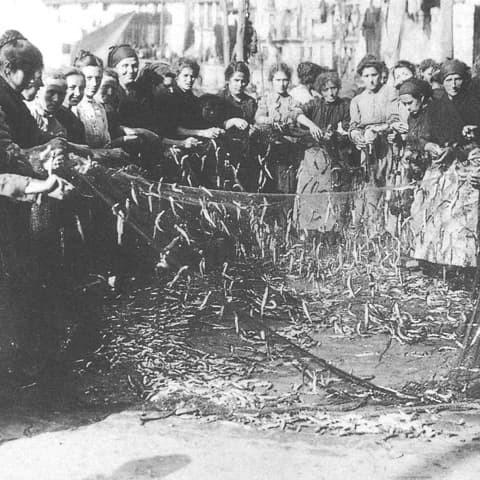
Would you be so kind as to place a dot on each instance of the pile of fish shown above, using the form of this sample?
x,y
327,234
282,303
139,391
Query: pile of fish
x,y
205,336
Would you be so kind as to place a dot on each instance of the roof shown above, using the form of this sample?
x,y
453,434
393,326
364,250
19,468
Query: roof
x,y
99,41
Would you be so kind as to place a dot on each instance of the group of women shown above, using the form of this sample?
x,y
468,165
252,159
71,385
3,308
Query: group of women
x,y
420,125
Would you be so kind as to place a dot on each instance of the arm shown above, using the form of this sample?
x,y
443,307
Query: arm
x,y
261,117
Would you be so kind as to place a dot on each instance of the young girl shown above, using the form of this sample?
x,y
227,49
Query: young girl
x,y
90,111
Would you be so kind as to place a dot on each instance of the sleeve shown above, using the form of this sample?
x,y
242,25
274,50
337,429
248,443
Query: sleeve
x,y
345,117
14,186
307,108
355,119
262,110
12,158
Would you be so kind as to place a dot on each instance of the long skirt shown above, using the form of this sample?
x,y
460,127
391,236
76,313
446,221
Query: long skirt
x,y
445,218
317,206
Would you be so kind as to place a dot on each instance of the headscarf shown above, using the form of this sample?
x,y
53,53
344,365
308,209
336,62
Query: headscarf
x,y
453,67
117,53
10,36
416,87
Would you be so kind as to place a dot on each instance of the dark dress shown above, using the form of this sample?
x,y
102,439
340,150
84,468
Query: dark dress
x,y
34,296
73,125
244,154
445,207
324,168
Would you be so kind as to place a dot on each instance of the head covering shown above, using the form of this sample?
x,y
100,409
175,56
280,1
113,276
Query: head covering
x,y
10,36
416,87
452,67
117,53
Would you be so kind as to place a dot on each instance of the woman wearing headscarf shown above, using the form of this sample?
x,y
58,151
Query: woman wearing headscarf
x,y
32,294
445,206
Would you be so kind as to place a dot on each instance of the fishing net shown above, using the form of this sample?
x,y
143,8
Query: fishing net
x,y
250,264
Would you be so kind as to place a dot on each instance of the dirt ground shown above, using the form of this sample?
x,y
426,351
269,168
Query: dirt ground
x,y
92,423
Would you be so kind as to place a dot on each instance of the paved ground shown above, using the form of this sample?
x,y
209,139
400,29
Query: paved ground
x,y
120,448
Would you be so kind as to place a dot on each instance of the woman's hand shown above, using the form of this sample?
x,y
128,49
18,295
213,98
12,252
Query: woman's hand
x,y
239,123
191,142
316,132
468,132
54,186
400,127
433,149
358,139
213,132
61,189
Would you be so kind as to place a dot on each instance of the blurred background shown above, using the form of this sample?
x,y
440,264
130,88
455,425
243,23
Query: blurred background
x,y
334,33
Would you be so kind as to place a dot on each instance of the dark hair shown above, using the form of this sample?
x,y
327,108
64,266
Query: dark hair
x,y
308,72
370,61
327,77
188,63
73,71
426,64
87,59
170,75
417,88
19,53
148,79
210,99
112,73
406,64
235,67
279,67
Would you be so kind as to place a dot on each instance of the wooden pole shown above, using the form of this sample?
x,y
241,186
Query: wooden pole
x,y
226,34
240,41
446,12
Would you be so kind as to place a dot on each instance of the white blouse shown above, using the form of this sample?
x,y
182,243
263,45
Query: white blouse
x,y
94,118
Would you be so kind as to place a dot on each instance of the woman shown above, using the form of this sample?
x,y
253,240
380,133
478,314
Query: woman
x,y
368,127
278,109
33,295
324,166
307,73
89,110
445,207
239,111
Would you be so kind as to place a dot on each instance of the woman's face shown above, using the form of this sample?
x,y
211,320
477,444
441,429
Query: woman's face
x,y
127,70
280,82
52,95
237,83
453,84
93,79
401,74
19,80
427,74
329,92
75,90
30,92
412,104
108,92
371,78
186,79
